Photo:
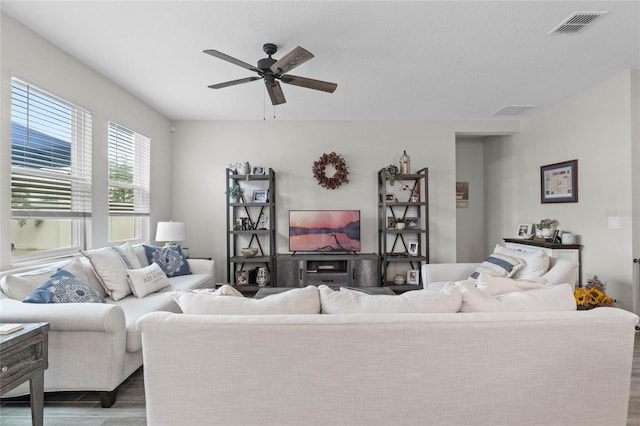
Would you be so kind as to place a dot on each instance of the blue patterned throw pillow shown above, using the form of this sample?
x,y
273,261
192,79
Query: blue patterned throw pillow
x,y
64,287
170,259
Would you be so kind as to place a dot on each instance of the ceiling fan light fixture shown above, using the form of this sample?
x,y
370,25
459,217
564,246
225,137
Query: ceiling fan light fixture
x,y
271,70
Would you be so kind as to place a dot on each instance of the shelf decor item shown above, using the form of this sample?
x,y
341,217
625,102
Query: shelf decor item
x,y
392,172
262,277
236,193
559,182
405,163
339,177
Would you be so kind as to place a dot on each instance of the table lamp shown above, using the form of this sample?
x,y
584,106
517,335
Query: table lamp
x,y
170,232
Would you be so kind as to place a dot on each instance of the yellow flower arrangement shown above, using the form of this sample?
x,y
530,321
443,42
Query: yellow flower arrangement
x,y
592,295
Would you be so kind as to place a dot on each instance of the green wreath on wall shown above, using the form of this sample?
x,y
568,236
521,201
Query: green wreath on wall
x,y
341,170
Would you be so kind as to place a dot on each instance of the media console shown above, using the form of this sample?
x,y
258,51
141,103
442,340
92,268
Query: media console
x,y
334,270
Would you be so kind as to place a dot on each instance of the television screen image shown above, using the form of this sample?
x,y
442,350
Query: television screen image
x,y
324,230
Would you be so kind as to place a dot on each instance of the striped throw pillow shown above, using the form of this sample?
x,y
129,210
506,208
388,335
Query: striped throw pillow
x,y
499,265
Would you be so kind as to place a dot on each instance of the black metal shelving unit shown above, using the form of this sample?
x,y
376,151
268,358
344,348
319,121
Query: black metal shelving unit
x,y
254,213
393,244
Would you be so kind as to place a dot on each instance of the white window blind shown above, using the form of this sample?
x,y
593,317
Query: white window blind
x,y
50,155
129,172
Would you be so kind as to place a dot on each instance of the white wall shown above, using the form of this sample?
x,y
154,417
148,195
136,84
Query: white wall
x,y
29,57
595,128
470,236
202,150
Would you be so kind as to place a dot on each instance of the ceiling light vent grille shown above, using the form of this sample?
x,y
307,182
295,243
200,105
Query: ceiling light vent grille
x,y
576,22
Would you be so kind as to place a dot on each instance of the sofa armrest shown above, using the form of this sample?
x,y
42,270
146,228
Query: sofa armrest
x,y
439,272
65,316
201,266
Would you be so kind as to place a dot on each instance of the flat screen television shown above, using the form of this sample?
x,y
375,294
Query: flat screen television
x,y
324,231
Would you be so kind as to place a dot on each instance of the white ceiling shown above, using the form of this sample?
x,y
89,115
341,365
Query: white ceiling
x,y
392,60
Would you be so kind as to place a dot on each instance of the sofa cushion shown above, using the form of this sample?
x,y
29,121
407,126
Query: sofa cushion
x,y
170,259
134,308
147,280
225,302
110,265
64,287
499,265
536,263
348,301
556,297
495,286
19,286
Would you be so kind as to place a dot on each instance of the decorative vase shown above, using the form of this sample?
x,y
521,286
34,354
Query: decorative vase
x,y
398,279
405,163
243,168
414,198
546,233
262,278
400,225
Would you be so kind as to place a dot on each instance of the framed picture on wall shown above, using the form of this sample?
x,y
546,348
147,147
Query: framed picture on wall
x,y
559,182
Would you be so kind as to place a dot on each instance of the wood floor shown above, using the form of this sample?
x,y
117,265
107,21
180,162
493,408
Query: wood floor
x,y
83,408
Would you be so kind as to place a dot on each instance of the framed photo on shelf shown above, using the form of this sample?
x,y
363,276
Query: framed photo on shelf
x,y
257,170
391,222
390,197
412,222
412,276
525,230
260,195
559,182
412,248
241,278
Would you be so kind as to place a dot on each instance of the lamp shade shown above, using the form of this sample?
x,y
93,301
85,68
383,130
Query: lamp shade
x,y
170,231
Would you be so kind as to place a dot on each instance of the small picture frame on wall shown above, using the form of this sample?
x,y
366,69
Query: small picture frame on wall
x,y
413,276
241,278
257,170
412,249
260,195
559,182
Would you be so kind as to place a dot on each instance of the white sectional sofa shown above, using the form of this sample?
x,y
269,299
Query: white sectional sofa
x,y
508,368
92,346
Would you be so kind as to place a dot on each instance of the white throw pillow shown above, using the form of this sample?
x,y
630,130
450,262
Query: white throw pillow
x,y
225,301
536,263
81,268
557,297
147,280
499,265
18,287
110,265
348,301
494,286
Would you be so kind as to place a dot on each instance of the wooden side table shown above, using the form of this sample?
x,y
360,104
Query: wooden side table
x,y
24,356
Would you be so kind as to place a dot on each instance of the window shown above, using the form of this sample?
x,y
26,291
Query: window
x,y
129,183
50,173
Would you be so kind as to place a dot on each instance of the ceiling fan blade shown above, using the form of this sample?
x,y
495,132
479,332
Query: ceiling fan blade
x,y
231,59
233,82
309,83
291,60
275,93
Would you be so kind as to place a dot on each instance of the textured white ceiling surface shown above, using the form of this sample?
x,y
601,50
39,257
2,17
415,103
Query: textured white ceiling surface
x,y
392,60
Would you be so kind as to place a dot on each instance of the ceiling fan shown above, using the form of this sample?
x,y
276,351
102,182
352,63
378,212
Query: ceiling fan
x,y
271,70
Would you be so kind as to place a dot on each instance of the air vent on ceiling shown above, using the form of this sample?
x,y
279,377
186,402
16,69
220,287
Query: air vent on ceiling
x,y
513,110
576,22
